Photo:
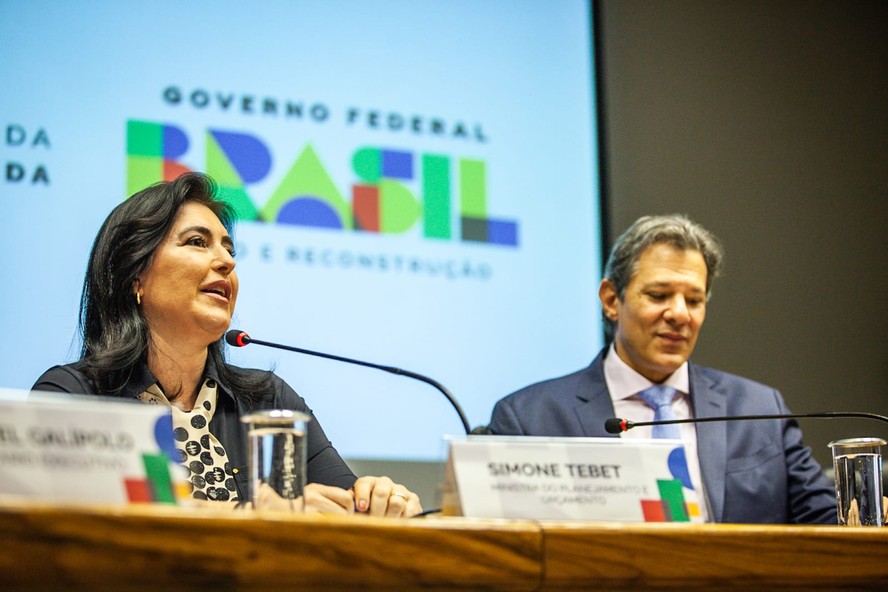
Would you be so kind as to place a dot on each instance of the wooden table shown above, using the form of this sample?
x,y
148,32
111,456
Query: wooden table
x,y
46,547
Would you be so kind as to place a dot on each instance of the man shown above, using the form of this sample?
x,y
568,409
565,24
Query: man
x,y
657,281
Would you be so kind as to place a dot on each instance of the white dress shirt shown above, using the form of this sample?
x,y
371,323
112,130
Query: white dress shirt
x,y
624,384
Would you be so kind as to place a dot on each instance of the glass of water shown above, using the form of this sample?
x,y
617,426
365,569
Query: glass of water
x,y
277,458
858,468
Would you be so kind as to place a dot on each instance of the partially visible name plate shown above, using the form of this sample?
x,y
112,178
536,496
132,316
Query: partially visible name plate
x,y
64,448
569,479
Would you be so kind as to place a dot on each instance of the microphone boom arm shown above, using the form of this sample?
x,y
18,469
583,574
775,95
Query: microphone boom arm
x,y
245,339
616,425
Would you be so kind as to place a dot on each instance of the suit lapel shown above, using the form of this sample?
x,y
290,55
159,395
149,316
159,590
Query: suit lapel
x,y
594,405
708,401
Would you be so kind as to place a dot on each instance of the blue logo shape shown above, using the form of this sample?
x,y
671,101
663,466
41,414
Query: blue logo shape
x,y
163,435
678,466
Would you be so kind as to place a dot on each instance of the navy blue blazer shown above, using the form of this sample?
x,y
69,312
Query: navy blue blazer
x,y
756,472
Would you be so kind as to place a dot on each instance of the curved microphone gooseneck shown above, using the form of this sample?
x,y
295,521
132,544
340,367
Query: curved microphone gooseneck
x,y
616,425
238,338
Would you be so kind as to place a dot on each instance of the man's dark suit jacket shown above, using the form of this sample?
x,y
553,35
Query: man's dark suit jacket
x,y
753,471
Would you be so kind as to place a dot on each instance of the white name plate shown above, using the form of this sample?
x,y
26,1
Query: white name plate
x,y
570,479
74,449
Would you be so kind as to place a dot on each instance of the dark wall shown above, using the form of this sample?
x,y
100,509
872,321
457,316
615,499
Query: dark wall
x,y
767,122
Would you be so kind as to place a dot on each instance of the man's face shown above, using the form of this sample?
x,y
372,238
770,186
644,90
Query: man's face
x,y
659,318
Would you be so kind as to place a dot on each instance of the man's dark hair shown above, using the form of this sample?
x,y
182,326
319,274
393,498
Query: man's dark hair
x,y
674,229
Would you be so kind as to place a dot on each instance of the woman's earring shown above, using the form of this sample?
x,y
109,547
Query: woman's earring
x,y
139,298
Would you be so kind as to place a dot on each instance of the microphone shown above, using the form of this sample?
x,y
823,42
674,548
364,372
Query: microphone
x,y
616,425
238,338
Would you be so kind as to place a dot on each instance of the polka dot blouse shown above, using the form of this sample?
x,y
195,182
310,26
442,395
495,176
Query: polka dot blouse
x,y
199,450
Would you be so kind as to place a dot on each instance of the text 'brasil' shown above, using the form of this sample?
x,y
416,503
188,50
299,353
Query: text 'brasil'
x,y
383,198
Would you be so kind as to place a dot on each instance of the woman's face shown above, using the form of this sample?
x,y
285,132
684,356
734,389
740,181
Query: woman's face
x,y
189,290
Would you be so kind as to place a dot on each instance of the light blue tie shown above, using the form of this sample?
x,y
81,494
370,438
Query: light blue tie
x,y
660,398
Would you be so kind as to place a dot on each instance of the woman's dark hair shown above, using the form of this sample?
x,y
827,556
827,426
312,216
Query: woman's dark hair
x,y
115,334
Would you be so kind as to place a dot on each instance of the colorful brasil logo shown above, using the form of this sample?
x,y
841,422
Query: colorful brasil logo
x,y
158,485
381,202
672,506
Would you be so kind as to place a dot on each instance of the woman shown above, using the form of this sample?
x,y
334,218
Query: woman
x,y
158,295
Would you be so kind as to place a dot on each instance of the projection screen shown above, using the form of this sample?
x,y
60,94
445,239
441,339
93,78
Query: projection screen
x,y
416,185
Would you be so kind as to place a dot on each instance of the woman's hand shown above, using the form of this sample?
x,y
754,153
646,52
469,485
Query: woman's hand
x,y
316,499
373,496
327,499
380,496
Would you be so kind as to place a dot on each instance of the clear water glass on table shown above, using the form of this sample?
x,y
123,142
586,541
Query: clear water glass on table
x,y
858,470
277,445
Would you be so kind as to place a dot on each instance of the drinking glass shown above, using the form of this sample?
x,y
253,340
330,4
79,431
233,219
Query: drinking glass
x,y
277,458
858,468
